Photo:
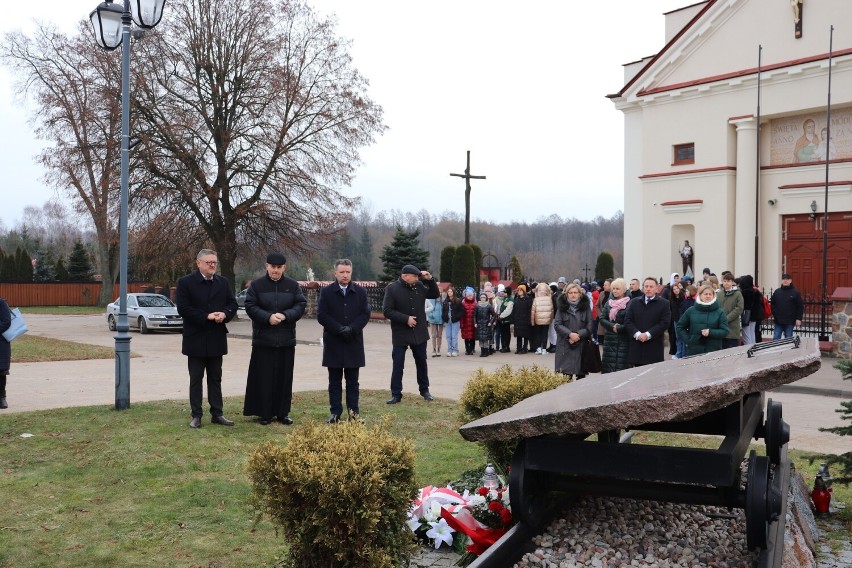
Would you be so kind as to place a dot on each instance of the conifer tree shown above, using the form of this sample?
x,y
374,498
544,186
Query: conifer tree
x,y
464,268
24,266
403,249
9,270
604,267
515,267
60,271
843,475
45,268
79,264
364,268
446,270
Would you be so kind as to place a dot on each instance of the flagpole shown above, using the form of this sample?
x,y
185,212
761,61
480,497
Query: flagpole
x,y
823,336
757,178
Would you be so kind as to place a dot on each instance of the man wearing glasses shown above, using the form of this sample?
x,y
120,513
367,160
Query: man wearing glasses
x,y
206,303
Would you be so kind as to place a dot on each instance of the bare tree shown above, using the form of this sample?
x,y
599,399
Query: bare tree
x,y
249,121
76,90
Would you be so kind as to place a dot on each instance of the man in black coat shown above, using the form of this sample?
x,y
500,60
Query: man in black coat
x,y
274,303
206,303
646,320
788,309
343,311
405,306
5,350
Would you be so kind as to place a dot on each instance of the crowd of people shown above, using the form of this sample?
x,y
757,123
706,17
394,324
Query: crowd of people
x,y
590,327
627,322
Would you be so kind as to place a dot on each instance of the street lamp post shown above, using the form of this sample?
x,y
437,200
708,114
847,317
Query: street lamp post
x,y
111,25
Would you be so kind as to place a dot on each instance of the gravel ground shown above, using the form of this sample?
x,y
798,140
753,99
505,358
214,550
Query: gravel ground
x,y
613,533
610,533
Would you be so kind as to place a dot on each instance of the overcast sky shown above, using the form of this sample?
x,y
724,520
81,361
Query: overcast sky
x,y
520,85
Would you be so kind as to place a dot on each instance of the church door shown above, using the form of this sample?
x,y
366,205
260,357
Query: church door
x,y
802,251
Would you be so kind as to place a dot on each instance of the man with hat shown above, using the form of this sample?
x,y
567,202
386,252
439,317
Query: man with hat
x,y
405,306
206,303
274,303
787,308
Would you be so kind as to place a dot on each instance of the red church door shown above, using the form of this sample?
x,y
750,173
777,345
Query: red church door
x,y
802,251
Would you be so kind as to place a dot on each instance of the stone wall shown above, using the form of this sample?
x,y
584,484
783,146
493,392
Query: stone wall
x,y
841,323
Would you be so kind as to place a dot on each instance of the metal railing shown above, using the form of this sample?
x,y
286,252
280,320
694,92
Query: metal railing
x,y
812,320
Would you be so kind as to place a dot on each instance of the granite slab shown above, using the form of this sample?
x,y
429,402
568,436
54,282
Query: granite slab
x,y
670,391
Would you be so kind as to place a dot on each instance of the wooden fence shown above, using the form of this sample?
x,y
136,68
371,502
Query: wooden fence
x,y
19,294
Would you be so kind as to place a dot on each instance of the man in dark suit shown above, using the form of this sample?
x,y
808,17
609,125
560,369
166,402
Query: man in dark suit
x,y
405,306
343,311
646,320
206,303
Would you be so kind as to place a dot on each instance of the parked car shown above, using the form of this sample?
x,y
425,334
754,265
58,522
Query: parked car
x,y
241,298
146,312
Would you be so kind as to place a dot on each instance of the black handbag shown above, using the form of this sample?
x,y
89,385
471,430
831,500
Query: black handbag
x,y
745,317
590,359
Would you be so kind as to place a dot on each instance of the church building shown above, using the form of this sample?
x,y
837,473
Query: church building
x,y
739,141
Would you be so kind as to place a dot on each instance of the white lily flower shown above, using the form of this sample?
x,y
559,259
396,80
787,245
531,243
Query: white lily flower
x,y
413,523
441,532
433,513
506,500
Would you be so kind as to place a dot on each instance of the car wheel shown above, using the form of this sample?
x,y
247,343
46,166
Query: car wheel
x,y
143,327
111,322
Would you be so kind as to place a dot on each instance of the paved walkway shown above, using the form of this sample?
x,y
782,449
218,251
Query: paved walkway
x,y
158,372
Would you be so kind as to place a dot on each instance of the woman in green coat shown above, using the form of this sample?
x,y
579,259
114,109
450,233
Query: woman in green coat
x,y
703,326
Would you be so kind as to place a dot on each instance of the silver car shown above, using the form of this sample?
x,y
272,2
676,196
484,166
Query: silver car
x,y
146,312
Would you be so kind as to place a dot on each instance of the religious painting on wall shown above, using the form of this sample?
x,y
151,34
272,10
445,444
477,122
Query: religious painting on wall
x,y
803,138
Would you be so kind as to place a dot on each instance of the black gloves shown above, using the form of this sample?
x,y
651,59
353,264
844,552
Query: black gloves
x,y
345,333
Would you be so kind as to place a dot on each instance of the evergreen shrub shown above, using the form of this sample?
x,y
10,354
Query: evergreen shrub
x,y
489,392
340,493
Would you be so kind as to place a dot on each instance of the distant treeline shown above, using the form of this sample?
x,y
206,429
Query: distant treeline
x,y
547,248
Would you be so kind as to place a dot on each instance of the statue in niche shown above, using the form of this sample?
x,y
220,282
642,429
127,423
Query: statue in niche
x,y
686,254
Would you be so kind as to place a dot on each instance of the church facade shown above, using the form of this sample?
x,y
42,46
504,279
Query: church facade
x,y
696,166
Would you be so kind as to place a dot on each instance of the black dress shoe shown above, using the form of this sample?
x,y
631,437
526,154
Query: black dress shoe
x,y
426,396
394,399
3,403
265,421
286,421
333,419
196,422
222,421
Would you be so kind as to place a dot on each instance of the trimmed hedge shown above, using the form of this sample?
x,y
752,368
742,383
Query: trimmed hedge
x,y
486,393
340,493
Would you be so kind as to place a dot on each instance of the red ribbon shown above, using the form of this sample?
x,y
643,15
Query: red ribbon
x,y
464,522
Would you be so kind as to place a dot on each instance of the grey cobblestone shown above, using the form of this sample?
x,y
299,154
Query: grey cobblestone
x,y
833,558
431,558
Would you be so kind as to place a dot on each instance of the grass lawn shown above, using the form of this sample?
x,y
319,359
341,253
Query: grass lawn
x,y
97,487
64,310
33,348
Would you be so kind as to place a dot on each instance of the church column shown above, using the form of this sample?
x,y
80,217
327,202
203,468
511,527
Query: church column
x,y
745,200
635,201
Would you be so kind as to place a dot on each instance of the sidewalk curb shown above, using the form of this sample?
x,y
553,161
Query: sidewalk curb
x,y
818,391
